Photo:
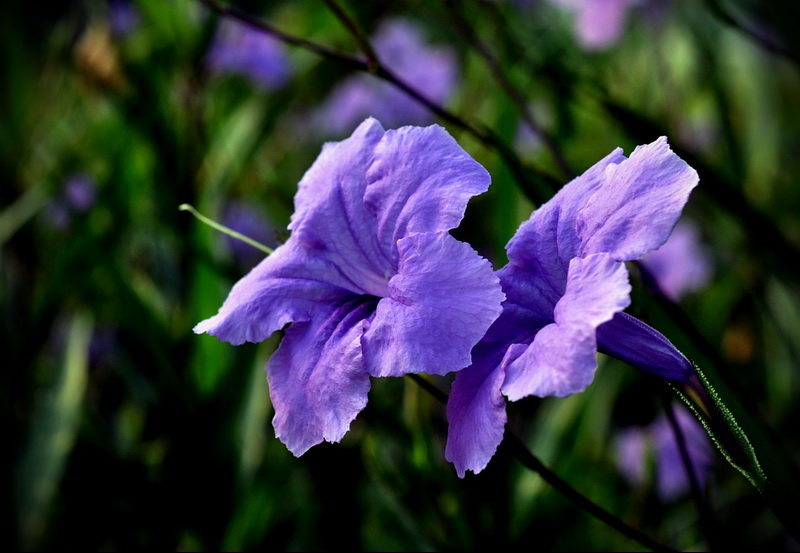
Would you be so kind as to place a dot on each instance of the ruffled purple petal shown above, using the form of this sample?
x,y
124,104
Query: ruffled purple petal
x,y
290,285
317,378
420,181
562,358
641,346
638,205
330,217
476,411
544,245
441,302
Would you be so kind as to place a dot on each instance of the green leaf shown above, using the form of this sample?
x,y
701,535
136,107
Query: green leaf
x,y
52,435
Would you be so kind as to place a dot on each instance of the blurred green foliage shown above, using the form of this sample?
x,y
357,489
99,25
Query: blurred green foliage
x,y
130,432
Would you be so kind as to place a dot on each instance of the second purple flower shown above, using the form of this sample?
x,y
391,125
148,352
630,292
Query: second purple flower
x,y
566,287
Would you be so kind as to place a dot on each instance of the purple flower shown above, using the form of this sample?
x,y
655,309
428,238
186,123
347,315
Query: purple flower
x,y
599,23
566,285
78,192
247,219
635,445
371,280
401,47
681,265
243,50
123,17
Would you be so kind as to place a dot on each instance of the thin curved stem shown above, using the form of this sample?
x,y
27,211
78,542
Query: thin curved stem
x,y
225,230
535,183
352,26
705,515
463,26
763,39
517,448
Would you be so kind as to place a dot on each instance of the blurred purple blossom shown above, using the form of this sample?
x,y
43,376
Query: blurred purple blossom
x,y
123,17
370,280
79,192
681,265
632,449
566,287
239,49
636,445
250,220
400,45
599,23
77,195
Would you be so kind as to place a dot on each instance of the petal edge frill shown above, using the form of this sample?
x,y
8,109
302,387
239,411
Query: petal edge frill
x,y
442,301
288,286
640,202
317,379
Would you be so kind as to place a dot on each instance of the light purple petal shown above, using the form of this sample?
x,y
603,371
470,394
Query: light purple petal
x,y
330,217
544,245
562,358
317,379
441,302
420,181
641,346
638,205
290,285
476,411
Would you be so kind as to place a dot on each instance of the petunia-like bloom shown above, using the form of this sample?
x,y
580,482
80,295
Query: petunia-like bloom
x,y
566,286
635,445
401,47
239,49
370,279
681,265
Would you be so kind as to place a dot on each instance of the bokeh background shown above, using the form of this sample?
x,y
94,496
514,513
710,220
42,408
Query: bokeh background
x,y
128,431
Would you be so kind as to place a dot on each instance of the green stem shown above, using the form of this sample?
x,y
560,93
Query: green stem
x,y
514,446
735,446
222,228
